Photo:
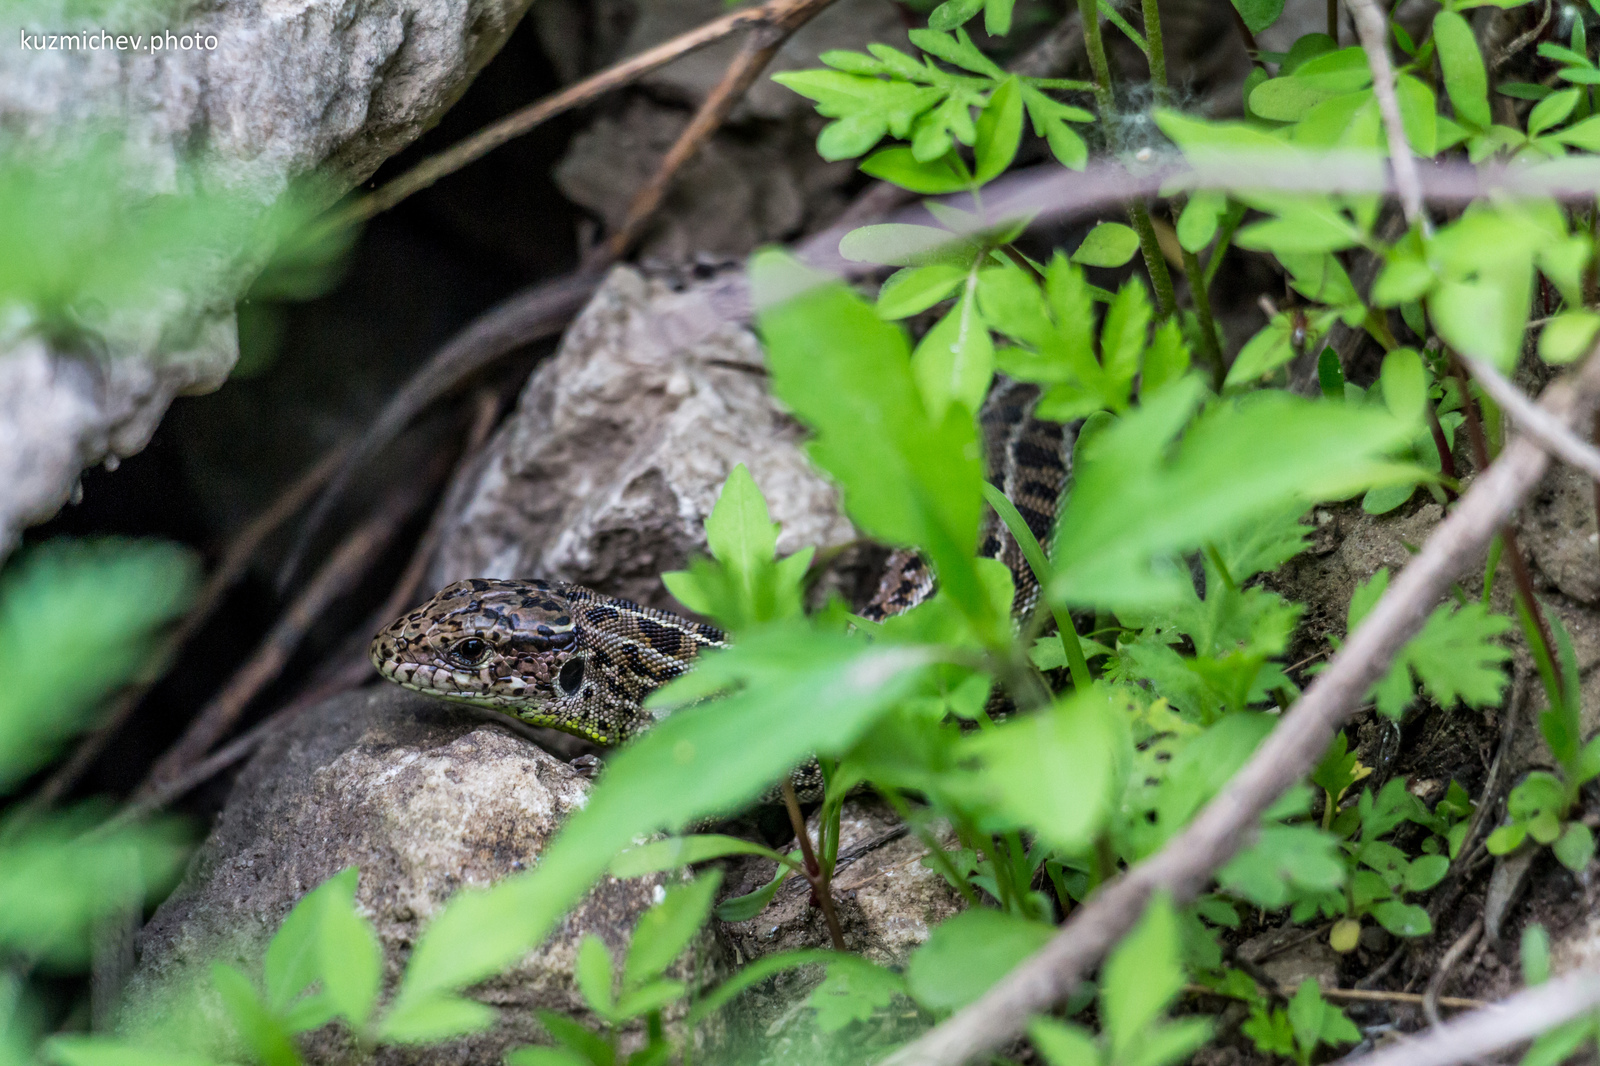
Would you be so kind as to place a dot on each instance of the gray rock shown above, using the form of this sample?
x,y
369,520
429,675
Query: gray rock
x,y
426,798
619,447
734,195
291,87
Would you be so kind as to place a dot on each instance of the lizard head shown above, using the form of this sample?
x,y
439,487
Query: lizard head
x,y
547,653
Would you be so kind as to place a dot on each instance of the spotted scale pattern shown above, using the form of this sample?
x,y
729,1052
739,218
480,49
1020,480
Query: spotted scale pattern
x,y
546,652
564,656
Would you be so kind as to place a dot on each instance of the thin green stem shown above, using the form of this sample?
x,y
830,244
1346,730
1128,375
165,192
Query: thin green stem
x,y
1031,550
1333,20
1210,350
1111,15
1154,262
1096,48
1155,50
1225,232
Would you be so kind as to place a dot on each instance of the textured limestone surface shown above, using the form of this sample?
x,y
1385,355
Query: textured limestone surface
x,y
620,445
426,798
290,87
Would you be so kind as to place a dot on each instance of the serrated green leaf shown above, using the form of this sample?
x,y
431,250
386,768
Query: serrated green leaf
x,y
901,167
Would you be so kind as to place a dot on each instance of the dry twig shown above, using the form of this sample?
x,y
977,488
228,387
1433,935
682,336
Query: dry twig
x,y
1292,750
535,313
586,91
1496,1027
1431,1000
765,39
1554,437
1373,27
343,570
232,566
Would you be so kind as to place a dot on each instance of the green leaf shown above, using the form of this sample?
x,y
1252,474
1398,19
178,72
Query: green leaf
x,y
664,931
867,108
1402,919
1258,14
966,954
1455,655
952,13
78,619
794,691
999,128
1306,225
1405,385
997,17
293,960
1535,951
954,362
909,478
1141,978
1110,244
1284,860
1575,847
1167,358
900,167
676,852
534,1055
853,990
107,1051
905,244
1465,78
434,1018
1138,497
1567,336
915,289
1552,110
1063,1044
592,970
350,958
1198,223
743,908
1584,135
1059,772
263,1034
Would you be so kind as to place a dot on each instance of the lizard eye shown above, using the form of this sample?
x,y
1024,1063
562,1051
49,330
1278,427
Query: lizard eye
x,y
470,652
571,676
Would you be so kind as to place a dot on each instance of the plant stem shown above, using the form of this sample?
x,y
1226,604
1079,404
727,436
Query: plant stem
x,y
936,852
1511,551
1138,214
1031,550
1210,351
1596,437
1333,20
1156,51
1447,462
1230,224
814,871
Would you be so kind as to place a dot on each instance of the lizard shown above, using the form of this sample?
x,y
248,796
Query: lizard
x,y
563,656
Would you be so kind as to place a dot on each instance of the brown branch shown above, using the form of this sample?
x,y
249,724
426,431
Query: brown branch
x,y
1291,751
586,91
1432,1000
1508,535
1372,25
766,37
821,891
1555,438
1499,1026
1361,995
235,559
343,570
535,313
